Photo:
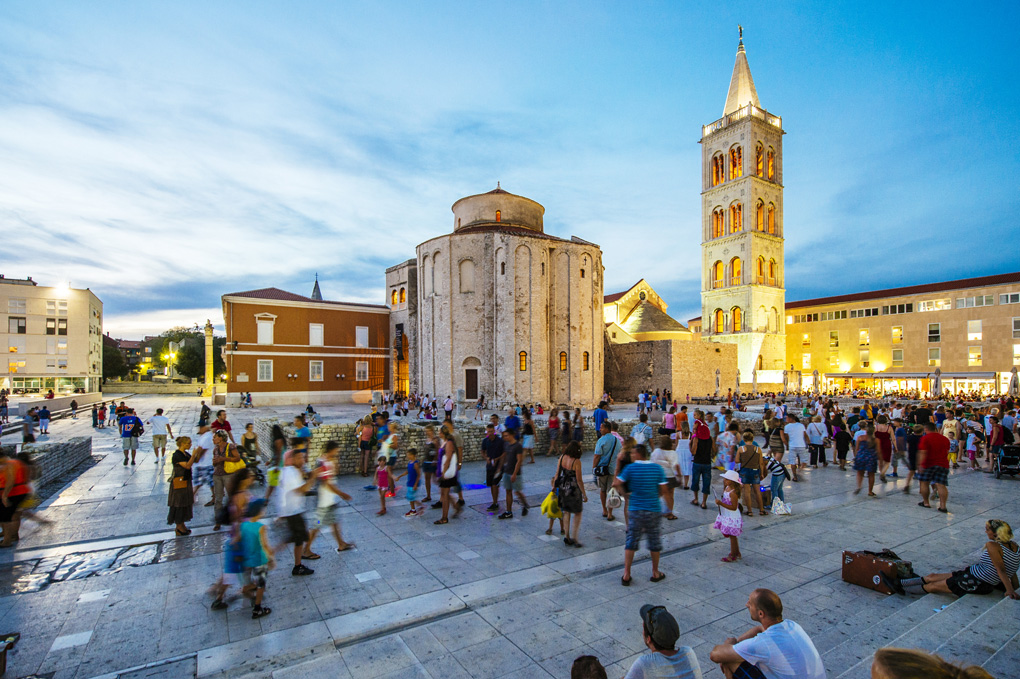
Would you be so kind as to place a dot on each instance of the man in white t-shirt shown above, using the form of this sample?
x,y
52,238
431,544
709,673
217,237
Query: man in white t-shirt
x,y
328,500
202,469
292,489
665,457
772,649
160,430
796,440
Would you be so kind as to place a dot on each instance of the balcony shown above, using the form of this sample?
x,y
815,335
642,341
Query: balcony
x,y
739,114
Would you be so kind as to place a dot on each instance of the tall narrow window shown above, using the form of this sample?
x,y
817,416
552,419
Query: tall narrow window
x,y
865,337
499,216
834,339
934,332
973,356
718,222
584,361
897,358
265,371
315,335
265,331
361,371
974,331
719,321
736,217
897,334
563,360
393,297
62,326
403,296
759,160
736,162
314,371
770,219
772,272
736,272
865,358
51,326
361,336
717,275
523,356
934,358
718,169
761,271
771,165
502,268
737,317
759,216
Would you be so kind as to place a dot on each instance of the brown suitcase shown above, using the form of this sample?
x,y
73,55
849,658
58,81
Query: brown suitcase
x,y
863,568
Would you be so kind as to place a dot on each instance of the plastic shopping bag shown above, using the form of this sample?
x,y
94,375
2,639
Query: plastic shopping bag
x,y
780,508
551,506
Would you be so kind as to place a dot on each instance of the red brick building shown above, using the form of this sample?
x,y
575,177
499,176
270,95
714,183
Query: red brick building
x,y
291,349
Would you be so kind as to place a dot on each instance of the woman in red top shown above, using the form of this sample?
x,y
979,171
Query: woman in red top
x,y
554,434
15,489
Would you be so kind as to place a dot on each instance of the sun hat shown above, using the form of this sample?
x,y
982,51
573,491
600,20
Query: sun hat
x,y
731,476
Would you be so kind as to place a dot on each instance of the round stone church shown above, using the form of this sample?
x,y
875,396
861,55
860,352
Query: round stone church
x,y
500,308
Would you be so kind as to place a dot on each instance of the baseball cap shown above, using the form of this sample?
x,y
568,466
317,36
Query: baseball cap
x,y
662,626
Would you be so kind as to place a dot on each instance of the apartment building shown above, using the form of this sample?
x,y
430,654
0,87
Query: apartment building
x,y
54,337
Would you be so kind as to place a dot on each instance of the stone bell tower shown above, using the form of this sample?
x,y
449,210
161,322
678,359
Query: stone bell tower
x,y
742,293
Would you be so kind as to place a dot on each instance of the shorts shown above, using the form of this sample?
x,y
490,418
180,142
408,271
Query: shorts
x,y
255,577
644,523
326,516
528,441
672,483
448,483
798,455
750,477
428,467
273,477
365,446
158,441
516,484
7,511
964,582
232,563
129,442
493,476
939,475
297,531
202,476
44,424
748,671
412,494
604,482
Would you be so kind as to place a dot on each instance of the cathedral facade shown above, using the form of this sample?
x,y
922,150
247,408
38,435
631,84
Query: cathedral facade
x,y
742,284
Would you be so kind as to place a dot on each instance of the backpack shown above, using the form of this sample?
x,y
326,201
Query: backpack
x,y
1007,437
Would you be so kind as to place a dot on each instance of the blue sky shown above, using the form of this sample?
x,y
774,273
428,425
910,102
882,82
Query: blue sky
x,y
164,154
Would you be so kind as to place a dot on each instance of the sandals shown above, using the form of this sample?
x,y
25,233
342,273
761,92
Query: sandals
x,y
921,504
184,532
762,512
440,522
694,502
346,546
311,557
704,506
728,559
671,517
625,582
549,532
870,494
658,578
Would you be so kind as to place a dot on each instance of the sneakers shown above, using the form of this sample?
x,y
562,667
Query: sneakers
x,y
493,507
301,569
259,611
506,515
411,513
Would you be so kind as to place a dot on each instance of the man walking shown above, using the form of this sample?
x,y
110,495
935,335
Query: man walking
x,y
796,440
293,487
933,466
647,484
223,452
74,409
130,427
604,464
203,415
512,480
492,449
160,430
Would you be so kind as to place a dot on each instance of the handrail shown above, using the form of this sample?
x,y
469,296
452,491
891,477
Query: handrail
x,y
740,113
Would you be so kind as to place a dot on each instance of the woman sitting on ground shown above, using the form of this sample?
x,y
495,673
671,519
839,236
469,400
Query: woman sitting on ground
x,y
909,663
995,570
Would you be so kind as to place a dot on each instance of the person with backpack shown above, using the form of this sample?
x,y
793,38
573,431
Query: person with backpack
x,y
130,429
604,464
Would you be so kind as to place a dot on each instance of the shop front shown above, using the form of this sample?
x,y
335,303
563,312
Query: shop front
x,y
879,383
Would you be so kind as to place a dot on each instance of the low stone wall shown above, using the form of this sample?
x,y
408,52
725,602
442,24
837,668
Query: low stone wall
x,y
60,403
56,459
128,387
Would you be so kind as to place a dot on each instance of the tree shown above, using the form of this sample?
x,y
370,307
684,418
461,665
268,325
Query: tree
x,y
114,364
191,361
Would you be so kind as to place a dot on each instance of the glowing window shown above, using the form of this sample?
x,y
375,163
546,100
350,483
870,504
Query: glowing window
x,y
393,298
759,216
718,169
718,222
736,271
736,162
738,319
805,362
897,334
864,338
499,216
772,272
524,360
719,321
584,361
770,220
759,161
563,360
771,164
717,275
403,295
973,331
761,271
973,356
736,217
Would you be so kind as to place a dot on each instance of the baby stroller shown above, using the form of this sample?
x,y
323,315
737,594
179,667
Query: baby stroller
x,y
252,463
1008,461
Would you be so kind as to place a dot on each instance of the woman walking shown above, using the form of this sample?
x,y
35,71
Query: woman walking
x,y
817,433
365,433
567,482
528,435
866,460
885,443
447,475
578,427
181,498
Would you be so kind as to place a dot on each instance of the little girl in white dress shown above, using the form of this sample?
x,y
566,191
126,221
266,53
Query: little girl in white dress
x,y
684,457
730,522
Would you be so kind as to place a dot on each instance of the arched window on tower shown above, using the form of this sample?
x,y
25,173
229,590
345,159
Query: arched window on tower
x,y
761,271
502,268
717,275
403,295
770,165
761,362
584,361
719,321
774,320
563,360
523,356
737,317
759,216
771,219
499,216
736,217
759,160
762,320
772,272
736,162
718,169
736,271
393,297
718,222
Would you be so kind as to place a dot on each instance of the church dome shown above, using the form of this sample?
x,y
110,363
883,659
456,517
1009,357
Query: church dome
x,y
497,207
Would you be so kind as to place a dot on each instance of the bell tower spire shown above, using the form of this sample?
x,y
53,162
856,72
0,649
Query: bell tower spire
x,y
741,92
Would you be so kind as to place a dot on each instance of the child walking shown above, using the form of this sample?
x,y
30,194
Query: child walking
x,y
972,447
258,557
382,483
954,449
729,522
684,456
413,475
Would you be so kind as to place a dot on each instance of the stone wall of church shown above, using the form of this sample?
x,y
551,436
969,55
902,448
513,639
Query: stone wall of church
x,y
404,277
486,296
683,367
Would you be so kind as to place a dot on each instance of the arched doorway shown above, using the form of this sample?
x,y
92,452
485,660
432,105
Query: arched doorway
x,y
471,366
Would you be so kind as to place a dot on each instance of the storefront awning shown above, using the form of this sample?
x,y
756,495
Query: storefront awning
x,y
912,376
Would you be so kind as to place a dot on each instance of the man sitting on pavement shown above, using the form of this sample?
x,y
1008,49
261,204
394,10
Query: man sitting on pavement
x,y
773,649
661,632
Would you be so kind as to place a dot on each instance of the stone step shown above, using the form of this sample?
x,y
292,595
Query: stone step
x,y
867,637
1003,663
981,639
928,634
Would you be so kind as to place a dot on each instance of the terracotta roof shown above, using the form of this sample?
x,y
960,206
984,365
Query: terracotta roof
x,y
283,295
609,299
646,317
129,344
506,228
961,284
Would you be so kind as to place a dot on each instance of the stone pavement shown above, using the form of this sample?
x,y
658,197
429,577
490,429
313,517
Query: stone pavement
x,y
110,591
